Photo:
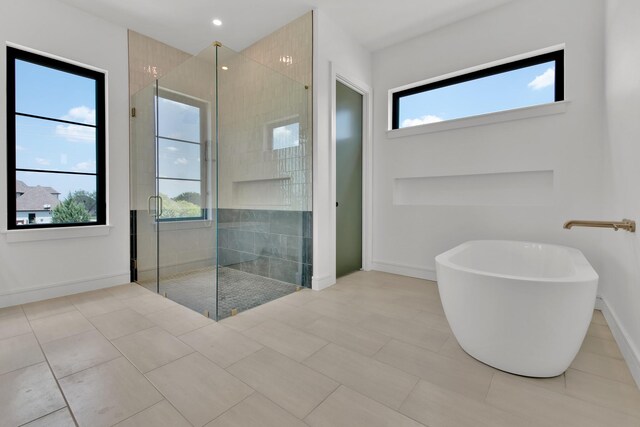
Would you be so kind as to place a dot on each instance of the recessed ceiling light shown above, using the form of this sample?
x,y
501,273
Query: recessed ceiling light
x,y
224,67
217,22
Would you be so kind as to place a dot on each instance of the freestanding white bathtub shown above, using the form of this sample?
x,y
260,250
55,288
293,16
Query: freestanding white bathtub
x,y
520,307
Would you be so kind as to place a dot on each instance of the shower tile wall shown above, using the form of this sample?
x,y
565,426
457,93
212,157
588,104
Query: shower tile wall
x,y
150,59
287,50
251,100
271,243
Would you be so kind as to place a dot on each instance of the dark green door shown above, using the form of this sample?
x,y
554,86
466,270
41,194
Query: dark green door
x,y
348,180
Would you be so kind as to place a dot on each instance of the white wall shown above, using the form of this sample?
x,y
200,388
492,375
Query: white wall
x,y
408,237
332,45
620,270
41,269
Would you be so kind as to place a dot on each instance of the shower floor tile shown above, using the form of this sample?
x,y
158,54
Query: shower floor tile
x,y
237,290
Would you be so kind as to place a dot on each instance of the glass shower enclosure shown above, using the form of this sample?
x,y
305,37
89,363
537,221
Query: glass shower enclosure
x,y
221,179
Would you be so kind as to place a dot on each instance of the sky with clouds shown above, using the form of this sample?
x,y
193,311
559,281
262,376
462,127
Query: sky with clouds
x,y
514,89
49,145
178,147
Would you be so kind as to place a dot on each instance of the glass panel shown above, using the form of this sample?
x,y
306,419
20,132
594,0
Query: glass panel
x,y
47,145
264,184
43,91
257,245
178,120
144,239
185,177
524,87
178,159
55,198
180,199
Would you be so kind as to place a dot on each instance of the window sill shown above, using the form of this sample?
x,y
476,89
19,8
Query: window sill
x,y
35,235
183,225
559,107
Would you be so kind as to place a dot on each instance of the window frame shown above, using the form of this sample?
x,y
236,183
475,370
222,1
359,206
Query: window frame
x,y
14,54
203,108
557,56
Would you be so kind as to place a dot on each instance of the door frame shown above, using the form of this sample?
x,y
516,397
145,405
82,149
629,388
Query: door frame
x,y
339,75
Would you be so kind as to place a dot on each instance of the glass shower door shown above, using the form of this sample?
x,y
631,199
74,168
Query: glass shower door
x,y
143,200
185,183
222,178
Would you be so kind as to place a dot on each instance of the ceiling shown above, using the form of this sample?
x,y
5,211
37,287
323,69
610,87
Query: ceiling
x,y
374,23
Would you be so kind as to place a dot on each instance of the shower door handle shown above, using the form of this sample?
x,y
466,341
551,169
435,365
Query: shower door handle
x,y
156,213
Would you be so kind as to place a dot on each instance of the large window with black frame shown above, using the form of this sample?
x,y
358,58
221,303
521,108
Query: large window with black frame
x,y
55,142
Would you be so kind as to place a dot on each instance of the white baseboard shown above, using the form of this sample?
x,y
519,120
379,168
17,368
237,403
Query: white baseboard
x,y
320,283
629,352
39,293
404,270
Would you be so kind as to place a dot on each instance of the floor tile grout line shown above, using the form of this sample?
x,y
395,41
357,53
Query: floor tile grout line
x,y
168,363
111,340
306,330
508,410
233,406
315,352
90,367
405,400
373,356
46,359
108,312
602,376
287,411
69,336
417,377
72,308
164,399
231,364
121,355
403,370
154,386
107,339
554,392
324,400
287,357
486,394
141,373
194,330
46,415
27,366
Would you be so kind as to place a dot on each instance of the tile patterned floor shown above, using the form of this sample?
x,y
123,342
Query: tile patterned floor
x,y
237,290
373,350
